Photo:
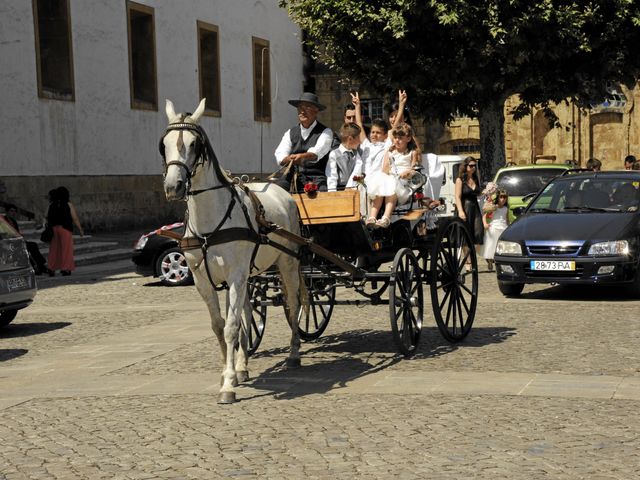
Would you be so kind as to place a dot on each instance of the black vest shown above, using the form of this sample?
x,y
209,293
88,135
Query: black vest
x,y
299,145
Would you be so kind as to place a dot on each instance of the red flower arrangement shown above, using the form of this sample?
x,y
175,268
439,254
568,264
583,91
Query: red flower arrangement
x,y
310,188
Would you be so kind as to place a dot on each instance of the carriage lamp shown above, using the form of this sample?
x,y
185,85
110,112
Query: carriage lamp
x,y
417,180
508,248
616,247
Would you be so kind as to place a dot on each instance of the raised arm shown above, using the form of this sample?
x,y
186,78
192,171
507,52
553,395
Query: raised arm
x,y
402,102
355,99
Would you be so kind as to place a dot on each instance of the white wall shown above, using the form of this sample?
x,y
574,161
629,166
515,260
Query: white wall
x,y
99,133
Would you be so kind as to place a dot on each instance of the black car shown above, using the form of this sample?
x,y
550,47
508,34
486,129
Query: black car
x,y
159,256
17,278
582,228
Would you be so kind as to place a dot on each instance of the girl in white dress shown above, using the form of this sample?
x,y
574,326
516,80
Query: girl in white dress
x,y
495,223
387,186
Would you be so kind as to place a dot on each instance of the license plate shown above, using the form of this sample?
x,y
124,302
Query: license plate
x,y
16,283
553,265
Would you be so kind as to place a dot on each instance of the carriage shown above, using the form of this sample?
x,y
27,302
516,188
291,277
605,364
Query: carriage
x,y
267,250
391,267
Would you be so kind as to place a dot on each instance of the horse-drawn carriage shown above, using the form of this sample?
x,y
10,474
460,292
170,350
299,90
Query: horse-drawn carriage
x,y
382,266
267,250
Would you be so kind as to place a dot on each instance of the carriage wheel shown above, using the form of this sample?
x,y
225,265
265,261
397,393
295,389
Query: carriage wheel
x,y
322,296
454,289
257,291
405,301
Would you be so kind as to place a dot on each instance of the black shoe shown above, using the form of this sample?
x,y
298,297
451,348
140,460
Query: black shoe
x,y
65,273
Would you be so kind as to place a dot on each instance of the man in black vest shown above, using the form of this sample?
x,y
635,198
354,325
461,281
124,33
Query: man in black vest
x,y
306,146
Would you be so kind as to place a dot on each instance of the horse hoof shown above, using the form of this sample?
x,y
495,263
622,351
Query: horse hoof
x,y
225,398
293,363
242,376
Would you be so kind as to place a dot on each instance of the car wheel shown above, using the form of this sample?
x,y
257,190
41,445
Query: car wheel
x,y
7,317
510,289
172,268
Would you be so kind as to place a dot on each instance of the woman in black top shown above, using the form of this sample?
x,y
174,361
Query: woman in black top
x,y
467,192
62,217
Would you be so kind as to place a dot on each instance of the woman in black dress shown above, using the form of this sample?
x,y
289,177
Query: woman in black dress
x,y
467,192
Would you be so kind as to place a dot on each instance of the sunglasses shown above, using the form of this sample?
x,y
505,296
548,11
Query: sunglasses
x,y
472,165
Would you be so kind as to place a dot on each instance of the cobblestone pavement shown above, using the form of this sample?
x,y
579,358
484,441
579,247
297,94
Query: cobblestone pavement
x,y
332,428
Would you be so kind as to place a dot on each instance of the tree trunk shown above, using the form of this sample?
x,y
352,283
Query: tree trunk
x,y
492,152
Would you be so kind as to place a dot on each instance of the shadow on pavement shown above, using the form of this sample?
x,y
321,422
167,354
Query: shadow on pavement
x,y
85,279
10,354
587,293
349,363
17,330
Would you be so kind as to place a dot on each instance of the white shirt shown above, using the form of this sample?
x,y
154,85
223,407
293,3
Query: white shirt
x,y
332,169
320,149
373,154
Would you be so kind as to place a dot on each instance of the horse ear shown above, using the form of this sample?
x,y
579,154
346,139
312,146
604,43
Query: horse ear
x,y
170,110
195,116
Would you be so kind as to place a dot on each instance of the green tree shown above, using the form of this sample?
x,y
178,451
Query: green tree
x,y
469,56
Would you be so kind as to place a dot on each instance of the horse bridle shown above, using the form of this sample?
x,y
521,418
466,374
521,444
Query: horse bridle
x,y
203,152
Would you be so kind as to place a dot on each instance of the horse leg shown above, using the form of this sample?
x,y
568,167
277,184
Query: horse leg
x,y
290,274
210,297
235,304
242,357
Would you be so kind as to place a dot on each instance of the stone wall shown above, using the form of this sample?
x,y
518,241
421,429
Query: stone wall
x,y
104,203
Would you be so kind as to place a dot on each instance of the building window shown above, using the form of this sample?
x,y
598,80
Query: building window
x,y
462,148
209,67
372,109
261,80
142,56
54,54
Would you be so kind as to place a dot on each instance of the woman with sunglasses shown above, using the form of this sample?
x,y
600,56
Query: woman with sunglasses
x,y
467,192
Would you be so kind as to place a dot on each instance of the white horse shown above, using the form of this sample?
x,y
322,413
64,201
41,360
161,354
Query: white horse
x,y
220,211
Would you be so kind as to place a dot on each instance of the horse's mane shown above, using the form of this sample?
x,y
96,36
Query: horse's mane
x,y
222,175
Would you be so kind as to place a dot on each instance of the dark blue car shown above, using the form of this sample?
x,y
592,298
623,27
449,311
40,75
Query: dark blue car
x,y
582,228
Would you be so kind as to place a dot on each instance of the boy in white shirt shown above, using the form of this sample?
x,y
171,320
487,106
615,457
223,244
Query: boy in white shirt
x,y
345,162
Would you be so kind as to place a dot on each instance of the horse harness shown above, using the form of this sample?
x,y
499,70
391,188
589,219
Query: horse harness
x,y
219,235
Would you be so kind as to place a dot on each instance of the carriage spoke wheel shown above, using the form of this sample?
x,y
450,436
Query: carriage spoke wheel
x,y
257,291
454,289
322,296
406,302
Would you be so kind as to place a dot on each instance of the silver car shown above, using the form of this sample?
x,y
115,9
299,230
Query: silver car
x,y
17,278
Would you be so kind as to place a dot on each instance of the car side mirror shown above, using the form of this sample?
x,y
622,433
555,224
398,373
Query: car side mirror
x,y
519,210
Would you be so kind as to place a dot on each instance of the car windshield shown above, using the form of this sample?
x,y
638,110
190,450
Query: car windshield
x,y
6,230
589,194
519,183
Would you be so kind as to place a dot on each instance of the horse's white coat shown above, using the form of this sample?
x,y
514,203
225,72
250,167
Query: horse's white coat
x,y
230,262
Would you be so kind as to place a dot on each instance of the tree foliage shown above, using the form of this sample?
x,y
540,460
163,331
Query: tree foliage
x,y
469,56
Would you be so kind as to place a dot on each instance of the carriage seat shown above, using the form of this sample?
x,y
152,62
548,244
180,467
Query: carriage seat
x,y
330,207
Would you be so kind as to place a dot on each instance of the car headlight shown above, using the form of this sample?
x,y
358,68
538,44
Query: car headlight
x,y
142,241
508,248
616,247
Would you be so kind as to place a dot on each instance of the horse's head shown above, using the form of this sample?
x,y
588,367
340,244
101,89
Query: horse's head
x,y
181,147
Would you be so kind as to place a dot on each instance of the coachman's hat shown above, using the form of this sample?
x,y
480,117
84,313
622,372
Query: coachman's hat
x,y
308,98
